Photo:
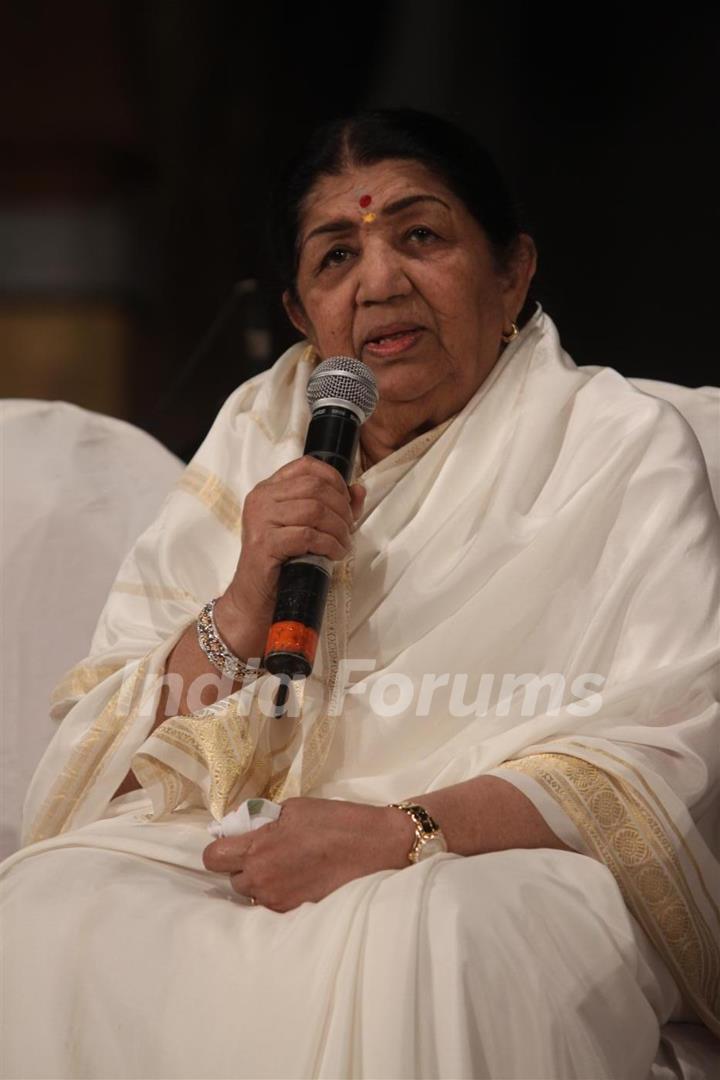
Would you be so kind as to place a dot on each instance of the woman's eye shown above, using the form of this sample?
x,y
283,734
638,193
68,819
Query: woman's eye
x,y
422,234
335,257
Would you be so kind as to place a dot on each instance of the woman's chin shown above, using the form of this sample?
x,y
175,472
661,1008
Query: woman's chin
x,y
406,379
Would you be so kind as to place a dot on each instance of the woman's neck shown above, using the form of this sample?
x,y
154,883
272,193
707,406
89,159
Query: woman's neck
x,y
378,440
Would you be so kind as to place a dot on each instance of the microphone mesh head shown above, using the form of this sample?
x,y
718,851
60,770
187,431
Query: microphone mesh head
x,y
342,378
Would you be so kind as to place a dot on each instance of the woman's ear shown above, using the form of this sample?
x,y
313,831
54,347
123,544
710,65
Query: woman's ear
x,y
523,265
295,313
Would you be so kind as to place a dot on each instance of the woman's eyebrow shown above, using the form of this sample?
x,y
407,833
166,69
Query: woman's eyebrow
x,y
410,200
338,226
341,225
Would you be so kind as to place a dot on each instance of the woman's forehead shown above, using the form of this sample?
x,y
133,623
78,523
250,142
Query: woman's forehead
x,y
366,187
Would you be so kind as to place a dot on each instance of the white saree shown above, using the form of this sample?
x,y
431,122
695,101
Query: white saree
x,y
532,592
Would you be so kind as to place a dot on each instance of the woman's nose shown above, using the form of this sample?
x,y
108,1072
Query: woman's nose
x,y
381,275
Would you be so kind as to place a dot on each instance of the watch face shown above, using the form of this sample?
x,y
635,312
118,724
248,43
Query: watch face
x,y
433,846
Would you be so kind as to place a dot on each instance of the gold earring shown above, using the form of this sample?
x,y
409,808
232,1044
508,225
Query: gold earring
x,y
511,333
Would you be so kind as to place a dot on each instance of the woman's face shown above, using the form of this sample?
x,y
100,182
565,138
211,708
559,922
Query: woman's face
x,y
394,270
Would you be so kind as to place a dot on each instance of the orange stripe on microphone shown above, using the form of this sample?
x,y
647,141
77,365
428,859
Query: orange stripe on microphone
x,y
292,637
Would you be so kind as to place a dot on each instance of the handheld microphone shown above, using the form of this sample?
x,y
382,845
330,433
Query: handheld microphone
x,y
342,394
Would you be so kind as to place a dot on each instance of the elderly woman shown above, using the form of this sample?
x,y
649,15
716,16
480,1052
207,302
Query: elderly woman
x,y
499,786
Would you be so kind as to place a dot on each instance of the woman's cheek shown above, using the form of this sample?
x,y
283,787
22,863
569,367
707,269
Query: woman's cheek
x,y
333,324
334,340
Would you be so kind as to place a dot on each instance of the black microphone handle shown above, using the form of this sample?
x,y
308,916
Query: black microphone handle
x,y
333,435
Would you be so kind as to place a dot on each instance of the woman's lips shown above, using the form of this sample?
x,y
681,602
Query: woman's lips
x,y
393,344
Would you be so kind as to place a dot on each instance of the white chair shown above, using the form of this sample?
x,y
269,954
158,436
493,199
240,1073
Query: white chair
x,y
77,490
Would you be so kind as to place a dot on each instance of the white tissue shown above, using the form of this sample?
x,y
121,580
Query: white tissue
x,y
251,814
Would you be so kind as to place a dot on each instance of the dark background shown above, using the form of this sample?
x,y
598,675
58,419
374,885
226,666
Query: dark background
x,y
138,139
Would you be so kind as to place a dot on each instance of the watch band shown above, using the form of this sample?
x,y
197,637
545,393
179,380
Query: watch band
x,y
426,828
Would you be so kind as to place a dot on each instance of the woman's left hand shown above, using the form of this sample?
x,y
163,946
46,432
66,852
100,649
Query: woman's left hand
x,y
314,847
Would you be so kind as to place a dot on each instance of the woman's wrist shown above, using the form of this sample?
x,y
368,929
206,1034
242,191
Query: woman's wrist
x,y
488,814
239,630
399,836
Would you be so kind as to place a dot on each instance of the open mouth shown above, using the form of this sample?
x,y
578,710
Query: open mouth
x,y
394,343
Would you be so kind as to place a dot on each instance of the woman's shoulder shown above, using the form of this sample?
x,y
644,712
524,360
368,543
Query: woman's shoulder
x,y
652,409
606,415
660,402
608,389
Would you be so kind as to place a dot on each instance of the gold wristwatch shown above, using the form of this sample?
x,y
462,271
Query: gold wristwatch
x,y
429,838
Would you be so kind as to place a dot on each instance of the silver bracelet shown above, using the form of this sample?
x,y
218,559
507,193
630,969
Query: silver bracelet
x,y
217,651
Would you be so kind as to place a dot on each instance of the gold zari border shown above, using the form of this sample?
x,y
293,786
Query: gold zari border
x,y
215,495
81,679
223,744
622,830
94,751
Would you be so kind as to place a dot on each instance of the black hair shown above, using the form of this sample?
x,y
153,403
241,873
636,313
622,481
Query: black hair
x,y
453,155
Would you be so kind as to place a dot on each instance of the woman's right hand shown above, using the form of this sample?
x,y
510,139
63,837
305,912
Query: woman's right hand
x,y
304,507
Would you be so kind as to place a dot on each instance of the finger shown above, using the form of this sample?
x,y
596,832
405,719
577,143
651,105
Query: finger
x,y
225,855
311,504
357,500
311,487
309,466
291,541
316,514
240,884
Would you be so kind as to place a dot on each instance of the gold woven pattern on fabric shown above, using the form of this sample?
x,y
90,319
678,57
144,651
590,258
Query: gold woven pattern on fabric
x,y
222,742
215,495
81,679
94,752
625,832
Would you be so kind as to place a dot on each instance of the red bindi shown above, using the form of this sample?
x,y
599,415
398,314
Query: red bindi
x,y
365,200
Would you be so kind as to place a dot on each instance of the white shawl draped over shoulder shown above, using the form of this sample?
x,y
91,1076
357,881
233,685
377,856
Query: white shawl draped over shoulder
x,y
533,591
